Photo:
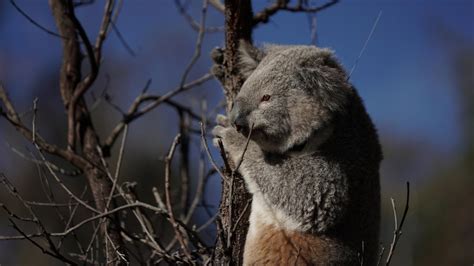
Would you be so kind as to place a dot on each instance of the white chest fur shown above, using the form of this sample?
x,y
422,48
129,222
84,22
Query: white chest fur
x,y
262,215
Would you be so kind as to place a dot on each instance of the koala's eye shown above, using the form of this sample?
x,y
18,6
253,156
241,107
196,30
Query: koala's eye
x,y
265,98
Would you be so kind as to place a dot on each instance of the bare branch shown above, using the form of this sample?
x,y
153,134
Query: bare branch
x,y
365,44
184,163
134,112
12,117
122,39
75,172
173,222
63,186
241,159
197,50
282,5
241,215
193,23
86,83
34,22
398,227
45,235
217,4
104,28
211,159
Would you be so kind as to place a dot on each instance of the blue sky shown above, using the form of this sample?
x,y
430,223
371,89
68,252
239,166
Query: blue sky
x,y
403,76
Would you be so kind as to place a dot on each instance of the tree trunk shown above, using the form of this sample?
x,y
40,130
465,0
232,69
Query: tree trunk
x,y
85,134
234,197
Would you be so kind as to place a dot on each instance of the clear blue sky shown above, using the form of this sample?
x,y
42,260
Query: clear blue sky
x,y
403,76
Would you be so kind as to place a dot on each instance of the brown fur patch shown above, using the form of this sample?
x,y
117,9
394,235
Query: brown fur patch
x,y
274,246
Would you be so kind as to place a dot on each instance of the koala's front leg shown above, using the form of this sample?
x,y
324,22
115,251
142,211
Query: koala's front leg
x,y
233,141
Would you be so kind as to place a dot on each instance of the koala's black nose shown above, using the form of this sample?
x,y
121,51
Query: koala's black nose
x,y
241,124
238,118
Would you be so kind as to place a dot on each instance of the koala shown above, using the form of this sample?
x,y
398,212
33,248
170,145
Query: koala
x,y
312,160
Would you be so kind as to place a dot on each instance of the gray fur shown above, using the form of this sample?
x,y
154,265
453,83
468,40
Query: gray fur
x,y
314,153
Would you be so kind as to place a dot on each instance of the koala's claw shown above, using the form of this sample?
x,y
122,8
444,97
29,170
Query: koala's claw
x,y
215,142
218,72
217,55
222,120
218,131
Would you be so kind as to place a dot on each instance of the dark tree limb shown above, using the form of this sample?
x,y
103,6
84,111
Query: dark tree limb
x,y
283,5
234,197
80,127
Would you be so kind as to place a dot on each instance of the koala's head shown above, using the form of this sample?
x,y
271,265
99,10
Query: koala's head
x,y
290,94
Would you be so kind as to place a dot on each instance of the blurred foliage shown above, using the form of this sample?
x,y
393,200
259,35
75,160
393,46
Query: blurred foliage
x,y
445,209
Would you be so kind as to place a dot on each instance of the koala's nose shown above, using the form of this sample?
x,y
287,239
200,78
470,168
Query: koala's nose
x,y
240,124
238,118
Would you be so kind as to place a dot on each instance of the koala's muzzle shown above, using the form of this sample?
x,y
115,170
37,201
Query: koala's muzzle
x,y
238,117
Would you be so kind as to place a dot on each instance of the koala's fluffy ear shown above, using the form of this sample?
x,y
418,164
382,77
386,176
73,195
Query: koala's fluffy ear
x,y
329,60
321,74
249,58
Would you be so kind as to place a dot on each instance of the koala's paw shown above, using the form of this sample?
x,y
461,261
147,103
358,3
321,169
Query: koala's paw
x,y
217,69
233,141
223,120
217,55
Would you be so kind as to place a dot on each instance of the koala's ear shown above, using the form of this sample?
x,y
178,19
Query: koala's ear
x,y
329,60
249,58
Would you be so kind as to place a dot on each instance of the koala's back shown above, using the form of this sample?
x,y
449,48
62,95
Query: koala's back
x,y
275,246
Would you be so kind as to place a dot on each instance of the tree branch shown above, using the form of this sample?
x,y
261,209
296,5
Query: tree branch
x,y
282,5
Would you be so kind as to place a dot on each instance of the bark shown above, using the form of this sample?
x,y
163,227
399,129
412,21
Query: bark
x,y
234,198
70,79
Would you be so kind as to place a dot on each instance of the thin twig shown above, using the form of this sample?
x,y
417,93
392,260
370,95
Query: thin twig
x,y
217,4
12,117
53,254
241,215
282,5
197,50
33,126
56,168
63,186
241,159
382,250
134,111
365,44
195,25
44,234
122,40
34,22
104,28
177,231
184,162
211,159
398,227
